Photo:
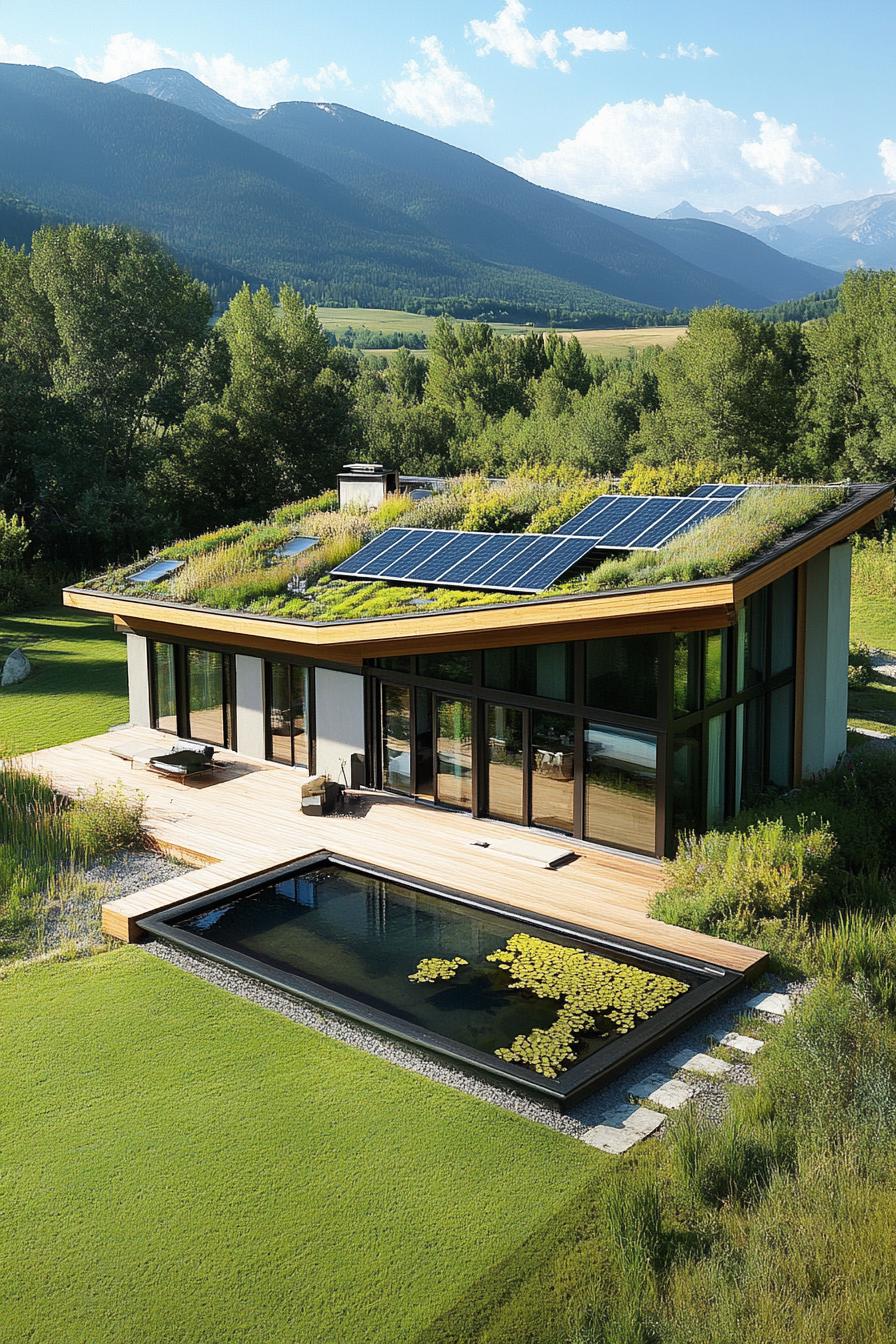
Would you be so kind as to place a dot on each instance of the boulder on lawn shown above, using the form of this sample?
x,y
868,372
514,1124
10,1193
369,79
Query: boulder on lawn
x,y
15,669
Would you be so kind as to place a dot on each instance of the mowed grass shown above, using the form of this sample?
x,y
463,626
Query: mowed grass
x,y
78,686
611,342
180,1164
873,621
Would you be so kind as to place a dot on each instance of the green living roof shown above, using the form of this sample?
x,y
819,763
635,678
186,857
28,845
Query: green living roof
x,y
236,568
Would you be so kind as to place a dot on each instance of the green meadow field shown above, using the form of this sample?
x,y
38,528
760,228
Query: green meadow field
x,y
612,342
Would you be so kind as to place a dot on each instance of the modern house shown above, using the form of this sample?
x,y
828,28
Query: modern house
x,y
618,715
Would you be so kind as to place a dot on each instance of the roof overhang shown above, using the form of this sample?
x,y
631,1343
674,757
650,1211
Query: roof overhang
x,y
702,604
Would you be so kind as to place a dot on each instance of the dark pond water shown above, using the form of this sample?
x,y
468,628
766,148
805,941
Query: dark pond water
x,y
362,936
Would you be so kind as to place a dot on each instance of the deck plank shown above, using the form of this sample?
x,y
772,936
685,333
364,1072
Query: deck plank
x,y
245,817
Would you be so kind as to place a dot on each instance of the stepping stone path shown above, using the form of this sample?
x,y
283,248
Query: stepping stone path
x,y
698,1063
776,1005
623,1127
744,1045
670,1093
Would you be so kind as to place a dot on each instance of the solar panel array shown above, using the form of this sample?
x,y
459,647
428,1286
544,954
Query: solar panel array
x,y
644,522
718,491
160,569
498,561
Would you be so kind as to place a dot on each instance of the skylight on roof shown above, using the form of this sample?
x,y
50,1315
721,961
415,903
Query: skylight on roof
x,y
159,569
295,546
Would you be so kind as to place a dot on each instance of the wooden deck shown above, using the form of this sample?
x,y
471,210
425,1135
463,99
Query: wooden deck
x,y
244,818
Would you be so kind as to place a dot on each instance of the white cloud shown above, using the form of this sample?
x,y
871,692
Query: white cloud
x,y
507,33
595,39
15,53
689,51
249,85
435,92
777,156
637,147
648,155
330,76
887,151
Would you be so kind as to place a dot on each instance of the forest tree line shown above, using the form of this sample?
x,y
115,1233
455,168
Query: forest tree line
x,y
128,417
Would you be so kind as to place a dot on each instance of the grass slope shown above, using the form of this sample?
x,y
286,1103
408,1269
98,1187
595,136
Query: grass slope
x,y
78,686
181,1164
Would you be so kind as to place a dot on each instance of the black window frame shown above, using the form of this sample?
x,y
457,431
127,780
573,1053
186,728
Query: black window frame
x,y
310,718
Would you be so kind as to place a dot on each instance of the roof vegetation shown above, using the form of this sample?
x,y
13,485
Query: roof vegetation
x,y
235,569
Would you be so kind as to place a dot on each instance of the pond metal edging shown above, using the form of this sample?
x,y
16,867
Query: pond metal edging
x,y
575,1083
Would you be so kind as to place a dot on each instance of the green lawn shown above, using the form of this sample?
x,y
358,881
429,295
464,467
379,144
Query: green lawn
x,y
78,686
873,621
179,1164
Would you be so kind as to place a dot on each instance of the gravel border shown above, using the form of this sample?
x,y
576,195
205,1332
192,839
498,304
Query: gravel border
x,y
710,1094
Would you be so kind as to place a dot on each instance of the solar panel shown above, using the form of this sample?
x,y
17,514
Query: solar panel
x,y
496,561
159,569
295,546
645,522
600,515
711,491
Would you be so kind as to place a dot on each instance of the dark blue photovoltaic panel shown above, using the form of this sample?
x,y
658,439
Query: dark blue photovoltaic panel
x,y
601,515
505,562
686,513
627,532
401,562
711,491
482,558
553,565
459,545
517,559
366,562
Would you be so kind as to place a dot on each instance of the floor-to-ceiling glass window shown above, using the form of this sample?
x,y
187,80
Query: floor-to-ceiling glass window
x,y
210,697
396,737
620,787
552,765
163,674
454,752
288,714
505,763
192,692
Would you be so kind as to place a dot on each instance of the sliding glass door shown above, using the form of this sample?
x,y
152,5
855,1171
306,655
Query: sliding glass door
x,y
192,693
287,695
454,753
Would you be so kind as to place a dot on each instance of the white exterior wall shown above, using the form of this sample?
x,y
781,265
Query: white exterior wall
x,y
339,722
139,706
827,658
250,726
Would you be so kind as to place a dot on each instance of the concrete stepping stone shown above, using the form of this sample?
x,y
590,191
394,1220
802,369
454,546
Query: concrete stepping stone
x,y
699,1063
744,1045
622,1128
670,1093
777,1005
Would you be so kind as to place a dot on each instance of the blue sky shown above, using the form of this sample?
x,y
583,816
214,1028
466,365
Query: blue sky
x,y
636,104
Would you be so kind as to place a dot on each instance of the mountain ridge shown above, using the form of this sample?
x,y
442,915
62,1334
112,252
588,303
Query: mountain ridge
x,y
852,233
352,209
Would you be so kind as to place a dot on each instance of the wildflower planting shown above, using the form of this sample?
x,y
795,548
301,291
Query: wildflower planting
x,y
237,569
46,846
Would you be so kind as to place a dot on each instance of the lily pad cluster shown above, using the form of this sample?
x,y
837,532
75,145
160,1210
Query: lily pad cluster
x,y
431,969
590,989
